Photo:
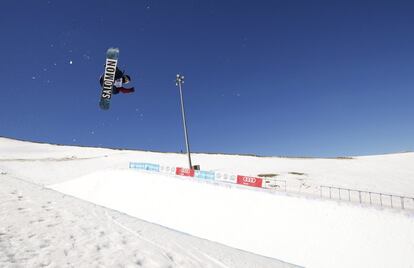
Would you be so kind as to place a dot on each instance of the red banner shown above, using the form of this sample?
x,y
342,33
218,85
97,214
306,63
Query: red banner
x,y
249,181
185,172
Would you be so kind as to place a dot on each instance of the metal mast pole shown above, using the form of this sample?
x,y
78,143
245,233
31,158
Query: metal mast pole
x,y
178,82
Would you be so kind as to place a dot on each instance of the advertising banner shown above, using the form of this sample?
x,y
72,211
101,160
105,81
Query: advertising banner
x,y
145,166
249,181
206,175
224,177
184,172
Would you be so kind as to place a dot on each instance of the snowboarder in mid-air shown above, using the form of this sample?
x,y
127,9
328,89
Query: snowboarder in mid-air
x,y
120,80
113,79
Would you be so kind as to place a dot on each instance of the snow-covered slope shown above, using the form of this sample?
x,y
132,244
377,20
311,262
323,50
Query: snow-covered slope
x,y
301,230
42,227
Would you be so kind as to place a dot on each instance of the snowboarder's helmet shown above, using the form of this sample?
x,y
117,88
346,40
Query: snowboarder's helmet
x,y
126,79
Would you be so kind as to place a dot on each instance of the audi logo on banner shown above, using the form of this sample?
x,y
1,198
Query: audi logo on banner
x,y
249,181
184,172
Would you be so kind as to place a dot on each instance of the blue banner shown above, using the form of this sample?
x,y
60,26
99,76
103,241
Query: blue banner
x,y
206,175
145,166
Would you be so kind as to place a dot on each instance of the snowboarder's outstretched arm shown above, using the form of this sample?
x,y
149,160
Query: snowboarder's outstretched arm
x,y
126,90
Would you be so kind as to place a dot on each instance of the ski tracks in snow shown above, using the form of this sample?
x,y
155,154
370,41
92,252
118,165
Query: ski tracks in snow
x,y
200,261
41,227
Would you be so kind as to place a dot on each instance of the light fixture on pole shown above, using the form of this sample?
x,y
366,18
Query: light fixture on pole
x,y
178,82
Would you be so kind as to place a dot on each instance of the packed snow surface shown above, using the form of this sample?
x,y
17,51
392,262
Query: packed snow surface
x,y
266,226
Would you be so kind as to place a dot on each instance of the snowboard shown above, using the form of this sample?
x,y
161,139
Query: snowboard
x,y
109,77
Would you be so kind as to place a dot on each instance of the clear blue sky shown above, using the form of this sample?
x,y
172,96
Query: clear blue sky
x,y
291,78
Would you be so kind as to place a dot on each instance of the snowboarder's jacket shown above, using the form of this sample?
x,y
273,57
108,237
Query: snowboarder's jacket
x,y
118,81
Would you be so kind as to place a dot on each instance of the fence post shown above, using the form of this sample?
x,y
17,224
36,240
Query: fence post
x,y
339,190
391,200
330,193
349,195
370,200
381,199
360,199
